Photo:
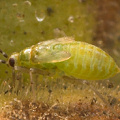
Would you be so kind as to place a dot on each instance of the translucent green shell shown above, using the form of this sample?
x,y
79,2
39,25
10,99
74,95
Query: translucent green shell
x,y
77,59
87,62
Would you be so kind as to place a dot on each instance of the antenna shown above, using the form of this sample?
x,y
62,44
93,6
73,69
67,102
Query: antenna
x,y
4,54
3,61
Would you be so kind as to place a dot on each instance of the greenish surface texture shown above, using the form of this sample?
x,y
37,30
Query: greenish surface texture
x,y
24,23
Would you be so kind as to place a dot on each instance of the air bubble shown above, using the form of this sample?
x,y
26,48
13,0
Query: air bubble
x,y
39,16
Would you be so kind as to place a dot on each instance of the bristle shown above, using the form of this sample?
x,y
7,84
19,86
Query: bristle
x,y
4,54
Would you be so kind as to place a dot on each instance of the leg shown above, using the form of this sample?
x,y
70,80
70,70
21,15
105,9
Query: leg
x,y
34,70
13,77
30,71
32,84
22,69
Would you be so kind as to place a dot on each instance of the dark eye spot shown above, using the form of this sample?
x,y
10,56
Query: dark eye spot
x,y
11,62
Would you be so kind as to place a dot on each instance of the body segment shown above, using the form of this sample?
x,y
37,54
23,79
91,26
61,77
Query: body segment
x,y
77,59
87,62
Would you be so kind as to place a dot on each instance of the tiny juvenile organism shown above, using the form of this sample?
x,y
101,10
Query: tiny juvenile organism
x,y
77,59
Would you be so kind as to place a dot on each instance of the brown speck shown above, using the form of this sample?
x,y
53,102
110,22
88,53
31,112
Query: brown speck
x,y
6,72
13,32
50,91
42,32
25,33
110,85
20,16
49,11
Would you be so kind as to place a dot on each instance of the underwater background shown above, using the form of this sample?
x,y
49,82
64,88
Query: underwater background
x,y
25,23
